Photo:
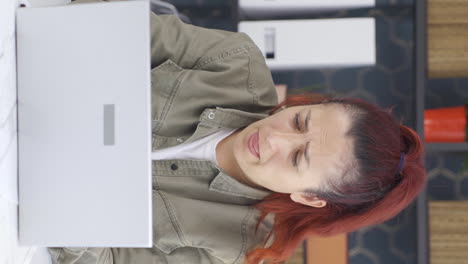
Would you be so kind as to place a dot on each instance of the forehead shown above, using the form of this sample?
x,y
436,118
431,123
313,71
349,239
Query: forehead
x,y
329,124
329,115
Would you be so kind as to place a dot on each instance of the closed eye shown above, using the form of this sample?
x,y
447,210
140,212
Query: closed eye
x,y
298,128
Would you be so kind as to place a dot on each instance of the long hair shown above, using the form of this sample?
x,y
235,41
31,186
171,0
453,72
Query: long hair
x,y
370,192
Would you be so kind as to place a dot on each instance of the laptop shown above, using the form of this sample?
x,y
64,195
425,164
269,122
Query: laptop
x,y
84,125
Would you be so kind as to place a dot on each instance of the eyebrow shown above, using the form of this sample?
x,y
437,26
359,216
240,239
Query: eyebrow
x,y
306,152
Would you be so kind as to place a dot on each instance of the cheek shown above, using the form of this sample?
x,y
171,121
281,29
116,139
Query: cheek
x,y
239,150
277,167
282,159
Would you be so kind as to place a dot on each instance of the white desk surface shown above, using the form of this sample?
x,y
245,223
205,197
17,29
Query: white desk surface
x,y
10,250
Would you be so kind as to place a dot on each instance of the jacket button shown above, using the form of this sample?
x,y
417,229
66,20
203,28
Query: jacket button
x,y
174,166
211,115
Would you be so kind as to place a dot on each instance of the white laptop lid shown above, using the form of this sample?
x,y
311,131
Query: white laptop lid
x,y
84,125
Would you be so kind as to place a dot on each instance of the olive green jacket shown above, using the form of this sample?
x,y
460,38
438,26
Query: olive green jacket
x,y
203,80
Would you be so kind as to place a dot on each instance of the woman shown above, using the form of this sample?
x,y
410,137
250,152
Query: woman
x,y
237,177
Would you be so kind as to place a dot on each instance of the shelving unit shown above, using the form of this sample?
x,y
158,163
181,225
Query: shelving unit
x,y
421,73
446,147
420,84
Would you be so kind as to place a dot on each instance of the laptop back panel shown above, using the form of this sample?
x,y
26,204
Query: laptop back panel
x,y
84,125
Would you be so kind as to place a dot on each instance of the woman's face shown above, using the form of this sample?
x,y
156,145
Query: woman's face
x,y
293,156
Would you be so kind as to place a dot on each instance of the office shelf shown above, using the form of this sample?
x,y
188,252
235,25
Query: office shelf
x,y
420,62
420,85
446,147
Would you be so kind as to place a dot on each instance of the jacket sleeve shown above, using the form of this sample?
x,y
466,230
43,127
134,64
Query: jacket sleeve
x,y
131,255
187,45
190,46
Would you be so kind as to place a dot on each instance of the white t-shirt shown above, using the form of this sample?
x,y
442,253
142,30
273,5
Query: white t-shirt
x,y
201,149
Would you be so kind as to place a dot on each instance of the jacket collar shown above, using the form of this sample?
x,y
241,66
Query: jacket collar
x,y
226,184
210,121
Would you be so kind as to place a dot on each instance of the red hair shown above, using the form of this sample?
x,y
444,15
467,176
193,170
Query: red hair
x,y
372,193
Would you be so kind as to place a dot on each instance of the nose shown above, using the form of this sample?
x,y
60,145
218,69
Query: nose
x,y
284,142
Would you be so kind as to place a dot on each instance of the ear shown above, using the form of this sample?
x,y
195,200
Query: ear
x,y
313,201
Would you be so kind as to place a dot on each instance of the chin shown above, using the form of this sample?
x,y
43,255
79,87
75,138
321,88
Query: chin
x,y
239,145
